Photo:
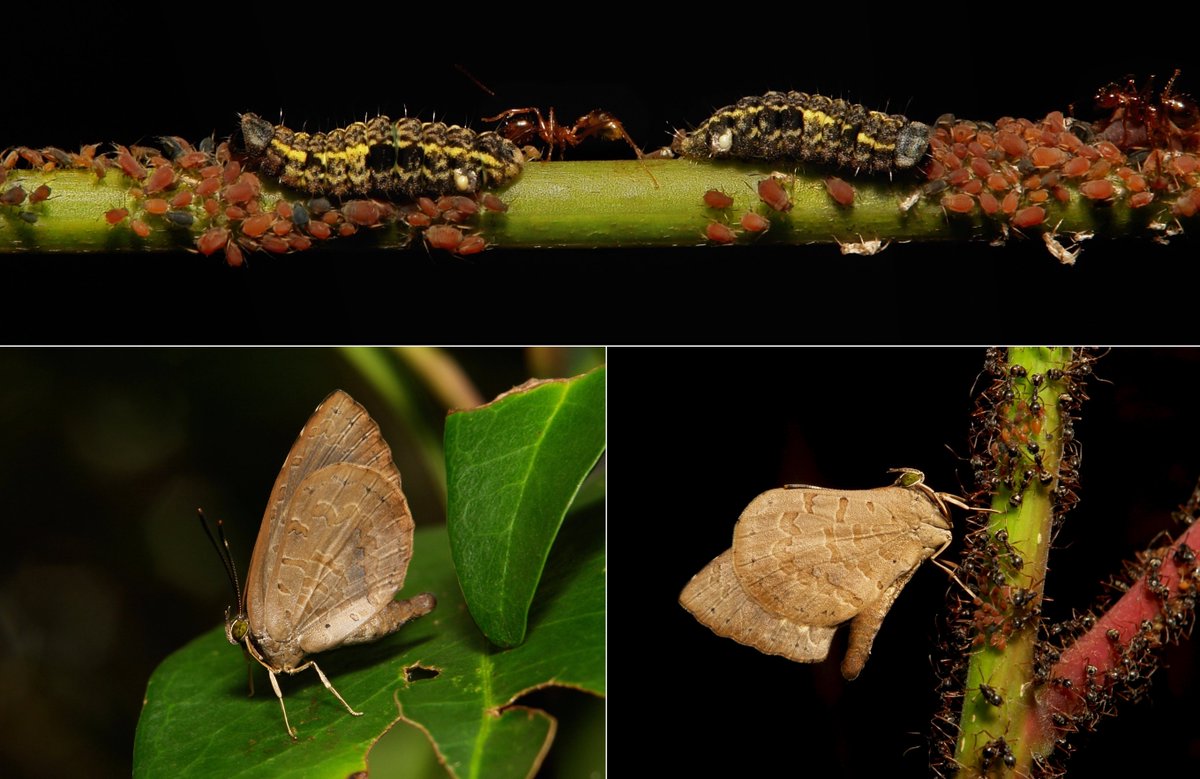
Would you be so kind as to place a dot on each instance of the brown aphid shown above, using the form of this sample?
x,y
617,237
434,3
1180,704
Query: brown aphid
x,y
1101,189
116,215
714,198
771,192
521,125
160,179
207,187
444,237
493,203
212,240
806,559
257,225
233,255
959,203
32,156
319,230
241,192
131,167
13,196
274,244
840,191
428,207
755,223
39,194
719,233
459,203
472,244
1029,217
58,158
361,212
156,206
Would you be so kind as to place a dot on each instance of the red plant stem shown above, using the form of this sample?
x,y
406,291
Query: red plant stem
x,y
1096,649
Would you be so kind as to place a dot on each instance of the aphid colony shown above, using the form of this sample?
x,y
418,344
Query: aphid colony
x,y
1015,171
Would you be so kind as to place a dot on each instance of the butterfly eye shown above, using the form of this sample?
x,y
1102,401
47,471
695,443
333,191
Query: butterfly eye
x,y
236,628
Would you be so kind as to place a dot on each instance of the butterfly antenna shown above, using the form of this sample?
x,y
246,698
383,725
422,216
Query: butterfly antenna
x,y
223,552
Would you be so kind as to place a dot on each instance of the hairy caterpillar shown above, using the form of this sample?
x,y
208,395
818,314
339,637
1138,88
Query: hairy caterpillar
x,y
406,157
812,128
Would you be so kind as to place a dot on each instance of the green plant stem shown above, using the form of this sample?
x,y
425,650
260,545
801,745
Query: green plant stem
x,y
580,205
1008,668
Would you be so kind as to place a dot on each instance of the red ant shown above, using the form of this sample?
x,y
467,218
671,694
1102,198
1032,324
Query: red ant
x,y
598,122
1146,119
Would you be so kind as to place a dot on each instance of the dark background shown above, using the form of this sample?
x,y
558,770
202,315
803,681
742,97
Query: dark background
x,y
726,425
192,77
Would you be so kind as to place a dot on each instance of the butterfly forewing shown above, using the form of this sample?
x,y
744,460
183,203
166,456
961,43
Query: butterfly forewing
x,y
363,533
818,556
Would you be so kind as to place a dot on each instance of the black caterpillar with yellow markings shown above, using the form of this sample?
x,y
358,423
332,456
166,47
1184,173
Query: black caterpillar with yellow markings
x,y
404,157
811,128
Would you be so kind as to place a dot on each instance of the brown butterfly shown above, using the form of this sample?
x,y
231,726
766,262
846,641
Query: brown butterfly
x,y
332,550
807,559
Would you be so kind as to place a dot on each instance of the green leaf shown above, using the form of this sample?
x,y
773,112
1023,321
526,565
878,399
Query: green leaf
x,y
513,467
197,720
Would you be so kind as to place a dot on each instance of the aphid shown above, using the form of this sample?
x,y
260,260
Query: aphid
x,y
521,125
180,218
809,128
212,240
773,590
39,194
444,237
841,191
13,196
719,233
990,695
472,244
716,199
771,192
407,157
755,223
493,203
233,255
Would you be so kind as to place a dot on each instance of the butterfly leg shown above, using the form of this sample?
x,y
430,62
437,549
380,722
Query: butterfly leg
x,y
279,694
329,687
